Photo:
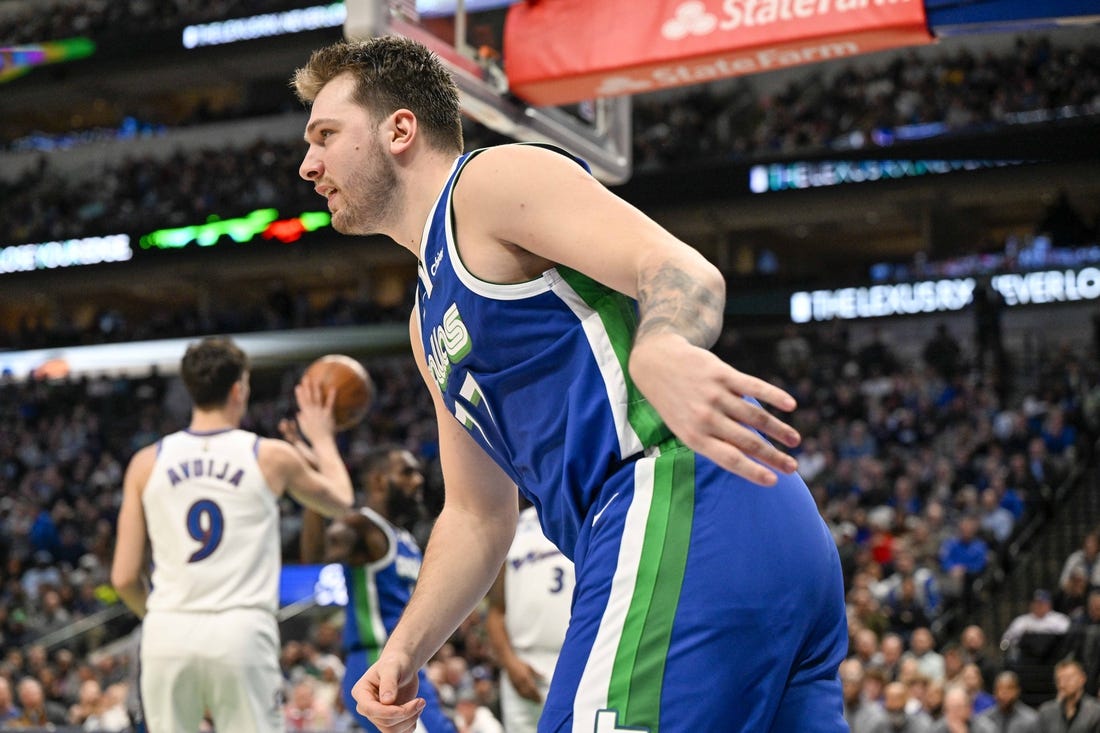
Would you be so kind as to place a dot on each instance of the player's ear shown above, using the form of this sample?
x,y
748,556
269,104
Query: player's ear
x,y
401,129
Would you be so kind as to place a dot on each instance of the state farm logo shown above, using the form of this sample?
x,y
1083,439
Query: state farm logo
x,y
691,19
611,86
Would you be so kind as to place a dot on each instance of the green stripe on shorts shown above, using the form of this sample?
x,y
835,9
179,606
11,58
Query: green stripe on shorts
x,y
638,673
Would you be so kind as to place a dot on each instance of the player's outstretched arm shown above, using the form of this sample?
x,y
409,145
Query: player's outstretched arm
x,y
311,539
466,549
547,205
129,566
325,488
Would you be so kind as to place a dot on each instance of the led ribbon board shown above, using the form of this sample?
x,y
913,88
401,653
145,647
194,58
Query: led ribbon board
x,y
15,61
264,223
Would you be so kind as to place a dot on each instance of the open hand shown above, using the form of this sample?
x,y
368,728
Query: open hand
x,y
315,418
702,400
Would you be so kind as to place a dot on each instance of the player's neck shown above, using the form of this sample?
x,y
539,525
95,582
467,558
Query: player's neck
x,y
423,184
205,421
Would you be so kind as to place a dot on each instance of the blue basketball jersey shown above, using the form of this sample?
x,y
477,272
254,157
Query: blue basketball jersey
x,y
378,592
681,566
536,371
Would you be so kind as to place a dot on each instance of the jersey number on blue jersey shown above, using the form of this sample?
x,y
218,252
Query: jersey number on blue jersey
x,y
471,392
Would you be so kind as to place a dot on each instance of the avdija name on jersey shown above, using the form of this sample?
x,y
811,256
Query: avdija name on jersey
x,y
205,467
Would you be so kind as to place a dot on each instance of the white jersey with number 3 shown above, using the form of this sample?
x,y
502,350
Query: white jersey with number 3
x,y
538,589
213,523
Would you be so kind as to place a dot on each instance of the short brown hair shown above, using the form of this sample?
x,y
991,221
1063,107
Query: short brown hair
x,y
391,73
210,368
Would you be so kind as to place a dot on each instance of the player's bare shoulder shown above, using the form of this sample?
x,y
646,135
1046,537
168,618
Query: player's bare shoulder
x,y
497,194
514,172
141,467
278,460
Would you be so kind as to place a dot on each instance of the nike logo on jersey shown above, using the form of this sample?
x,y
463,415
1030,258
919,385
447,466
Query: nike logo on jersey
x,y
603,509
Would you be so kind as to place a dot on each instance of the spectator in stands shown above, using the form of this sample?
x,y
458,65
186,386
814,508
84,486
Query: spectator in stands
x,y
973,642
1044,470
38,712
963,558
792,352
303,711
1071,596
1072,710
905,610
1041,618
863,607
896,719
889,656
1084,558
943,354
933,700
954,659
87,702
1010,715
8,709
922,647
988,305
110,715
1059,436
958,714
861,713
473,717
1084,641
975,686
876,357
42,573
995,521
917,684
864,644
925,584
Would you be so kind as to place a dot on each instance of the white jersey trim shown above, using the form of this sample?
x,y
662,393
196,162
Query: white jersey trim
x,y
493,291
596,677
607,361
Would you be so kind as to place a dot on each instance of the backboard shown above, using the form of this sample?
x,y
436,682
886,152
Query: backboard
x,y
598,131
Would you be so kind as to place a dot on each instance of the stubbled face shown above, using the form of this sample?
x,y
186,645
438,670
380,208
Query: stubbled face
x,y
347,164
404,481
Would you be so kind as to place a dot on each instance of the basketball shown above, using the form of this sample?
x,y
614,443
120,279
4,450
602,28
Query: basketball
x,y
354,390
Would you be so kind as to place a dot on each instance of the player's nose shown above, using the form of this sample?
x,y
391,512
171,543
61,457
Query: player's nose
x,y
311,166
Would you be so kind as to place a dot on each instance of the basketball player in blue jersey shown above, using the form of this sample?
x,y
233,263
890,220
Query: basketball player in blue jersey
x,y
206,500
381,561
565,339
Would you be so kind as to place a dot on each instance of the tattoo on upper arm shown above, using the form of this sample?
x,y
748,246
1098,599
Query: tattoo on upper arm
x,y
670,300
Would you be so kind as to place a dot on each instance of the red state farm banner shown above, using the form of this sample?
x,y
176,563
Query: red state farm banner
x,y
562,51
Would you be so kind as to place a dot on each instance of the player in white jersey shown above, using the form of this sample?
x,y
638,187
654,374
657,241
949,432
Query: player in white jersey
x,y
206,500
528,616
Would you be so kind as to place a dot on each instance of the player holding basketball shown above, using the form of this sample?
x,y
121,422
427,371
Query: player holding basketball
x,y
380,559
206,498
569,335
528,615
